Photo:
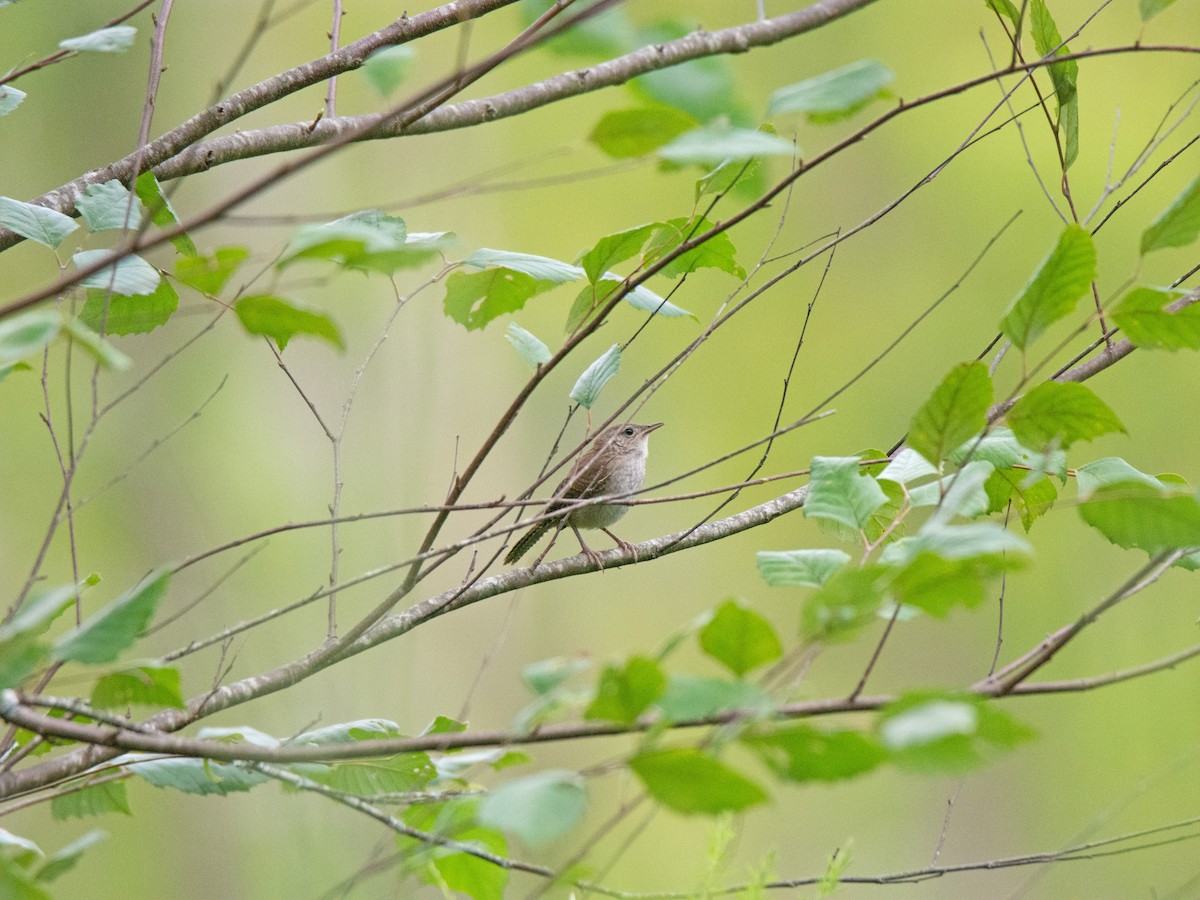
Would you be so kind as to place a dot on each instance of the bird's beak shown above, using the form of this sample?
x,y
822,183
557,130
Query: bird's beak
x,y
656,425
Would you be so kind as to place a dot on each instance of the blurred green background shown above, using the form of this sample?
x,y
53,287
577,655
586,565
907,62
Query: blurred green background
x,y
1105,763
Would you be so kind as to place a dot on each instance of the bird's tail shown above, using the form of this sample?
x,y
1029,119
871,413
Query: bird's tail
x,y
528,539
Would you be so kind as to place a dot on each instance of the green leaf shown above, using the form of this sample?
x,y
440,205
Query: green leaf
x,y
1148,9
744,176
704,88
138,314
688,698
26,850
715,253
367,241
527,345
27,333
1064,76
1005,8
104,352
946,732
1051,293
386,69
627,133
1062,413
541,268
341,732
838,491
938,586
591,382
690,781
1032,500
10,99
368,777
1134,514
798,752
108,206
145,685
208,274
955,411
38,613
646,300
810,568
102,637
46,226
961,495
20,658
1178,224
740,639
836,95
65,859
1001,448
451,869
130,275
475,298
907,466
607,34
615,248
442,725
93,800
1143,316
281,321
719,141
970,541
844,605
544,676
624,693
587,302
538,808
1109,471
193,776
115,39
162,214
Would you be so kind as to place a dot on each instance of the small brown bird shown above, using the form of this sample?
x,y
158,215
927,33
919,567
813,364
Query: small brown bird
x,y
614,465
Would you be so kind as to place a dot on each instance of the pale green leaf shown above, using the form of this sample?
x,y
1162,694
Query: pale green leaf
x,y
129,275
27,333
108,206
690,781
541,268
1177,225
1051,293
527,345
591,382
10,99
46,226
839,491
955,411
115,39
537,808
719,141
810,568
626,133
386,69
836,95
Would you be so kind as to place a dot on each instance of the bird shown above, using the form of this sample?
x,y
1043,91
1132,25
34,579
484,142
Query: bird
x,y
614,465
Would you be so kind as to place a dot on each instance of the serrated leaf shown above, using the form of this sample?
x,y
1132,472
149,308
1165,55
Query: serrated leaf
x,y
162,214
208,274
937,585
690,781
1061,413
46,226
366,778
838,491
193,776
719,141
740,638
129,275
527,345
836,95
102,636
1032,500
688,698
93,800
1178,224
906,467
120,314
1109,471
715,253
114,39
801,753
591,382
961,494
1064,76
627,133
1051,293
386,69
538,808
615,248
104,352
1133,514
956,410
475,298
145,686
1143,315
810,568
625,692
946,733
541,268
108,206
844,605
10,98
280,320
27,333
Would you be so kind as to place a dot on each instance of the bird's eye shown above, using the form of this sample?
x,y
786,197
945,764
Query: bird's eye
x,y
629,431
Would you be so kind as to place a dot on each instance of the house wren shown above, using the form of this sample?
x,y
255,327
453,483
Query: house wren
x,y
615,464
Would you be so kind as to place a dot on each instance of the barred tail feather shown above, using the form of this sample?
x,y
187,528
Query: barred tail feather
x,y
531,537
